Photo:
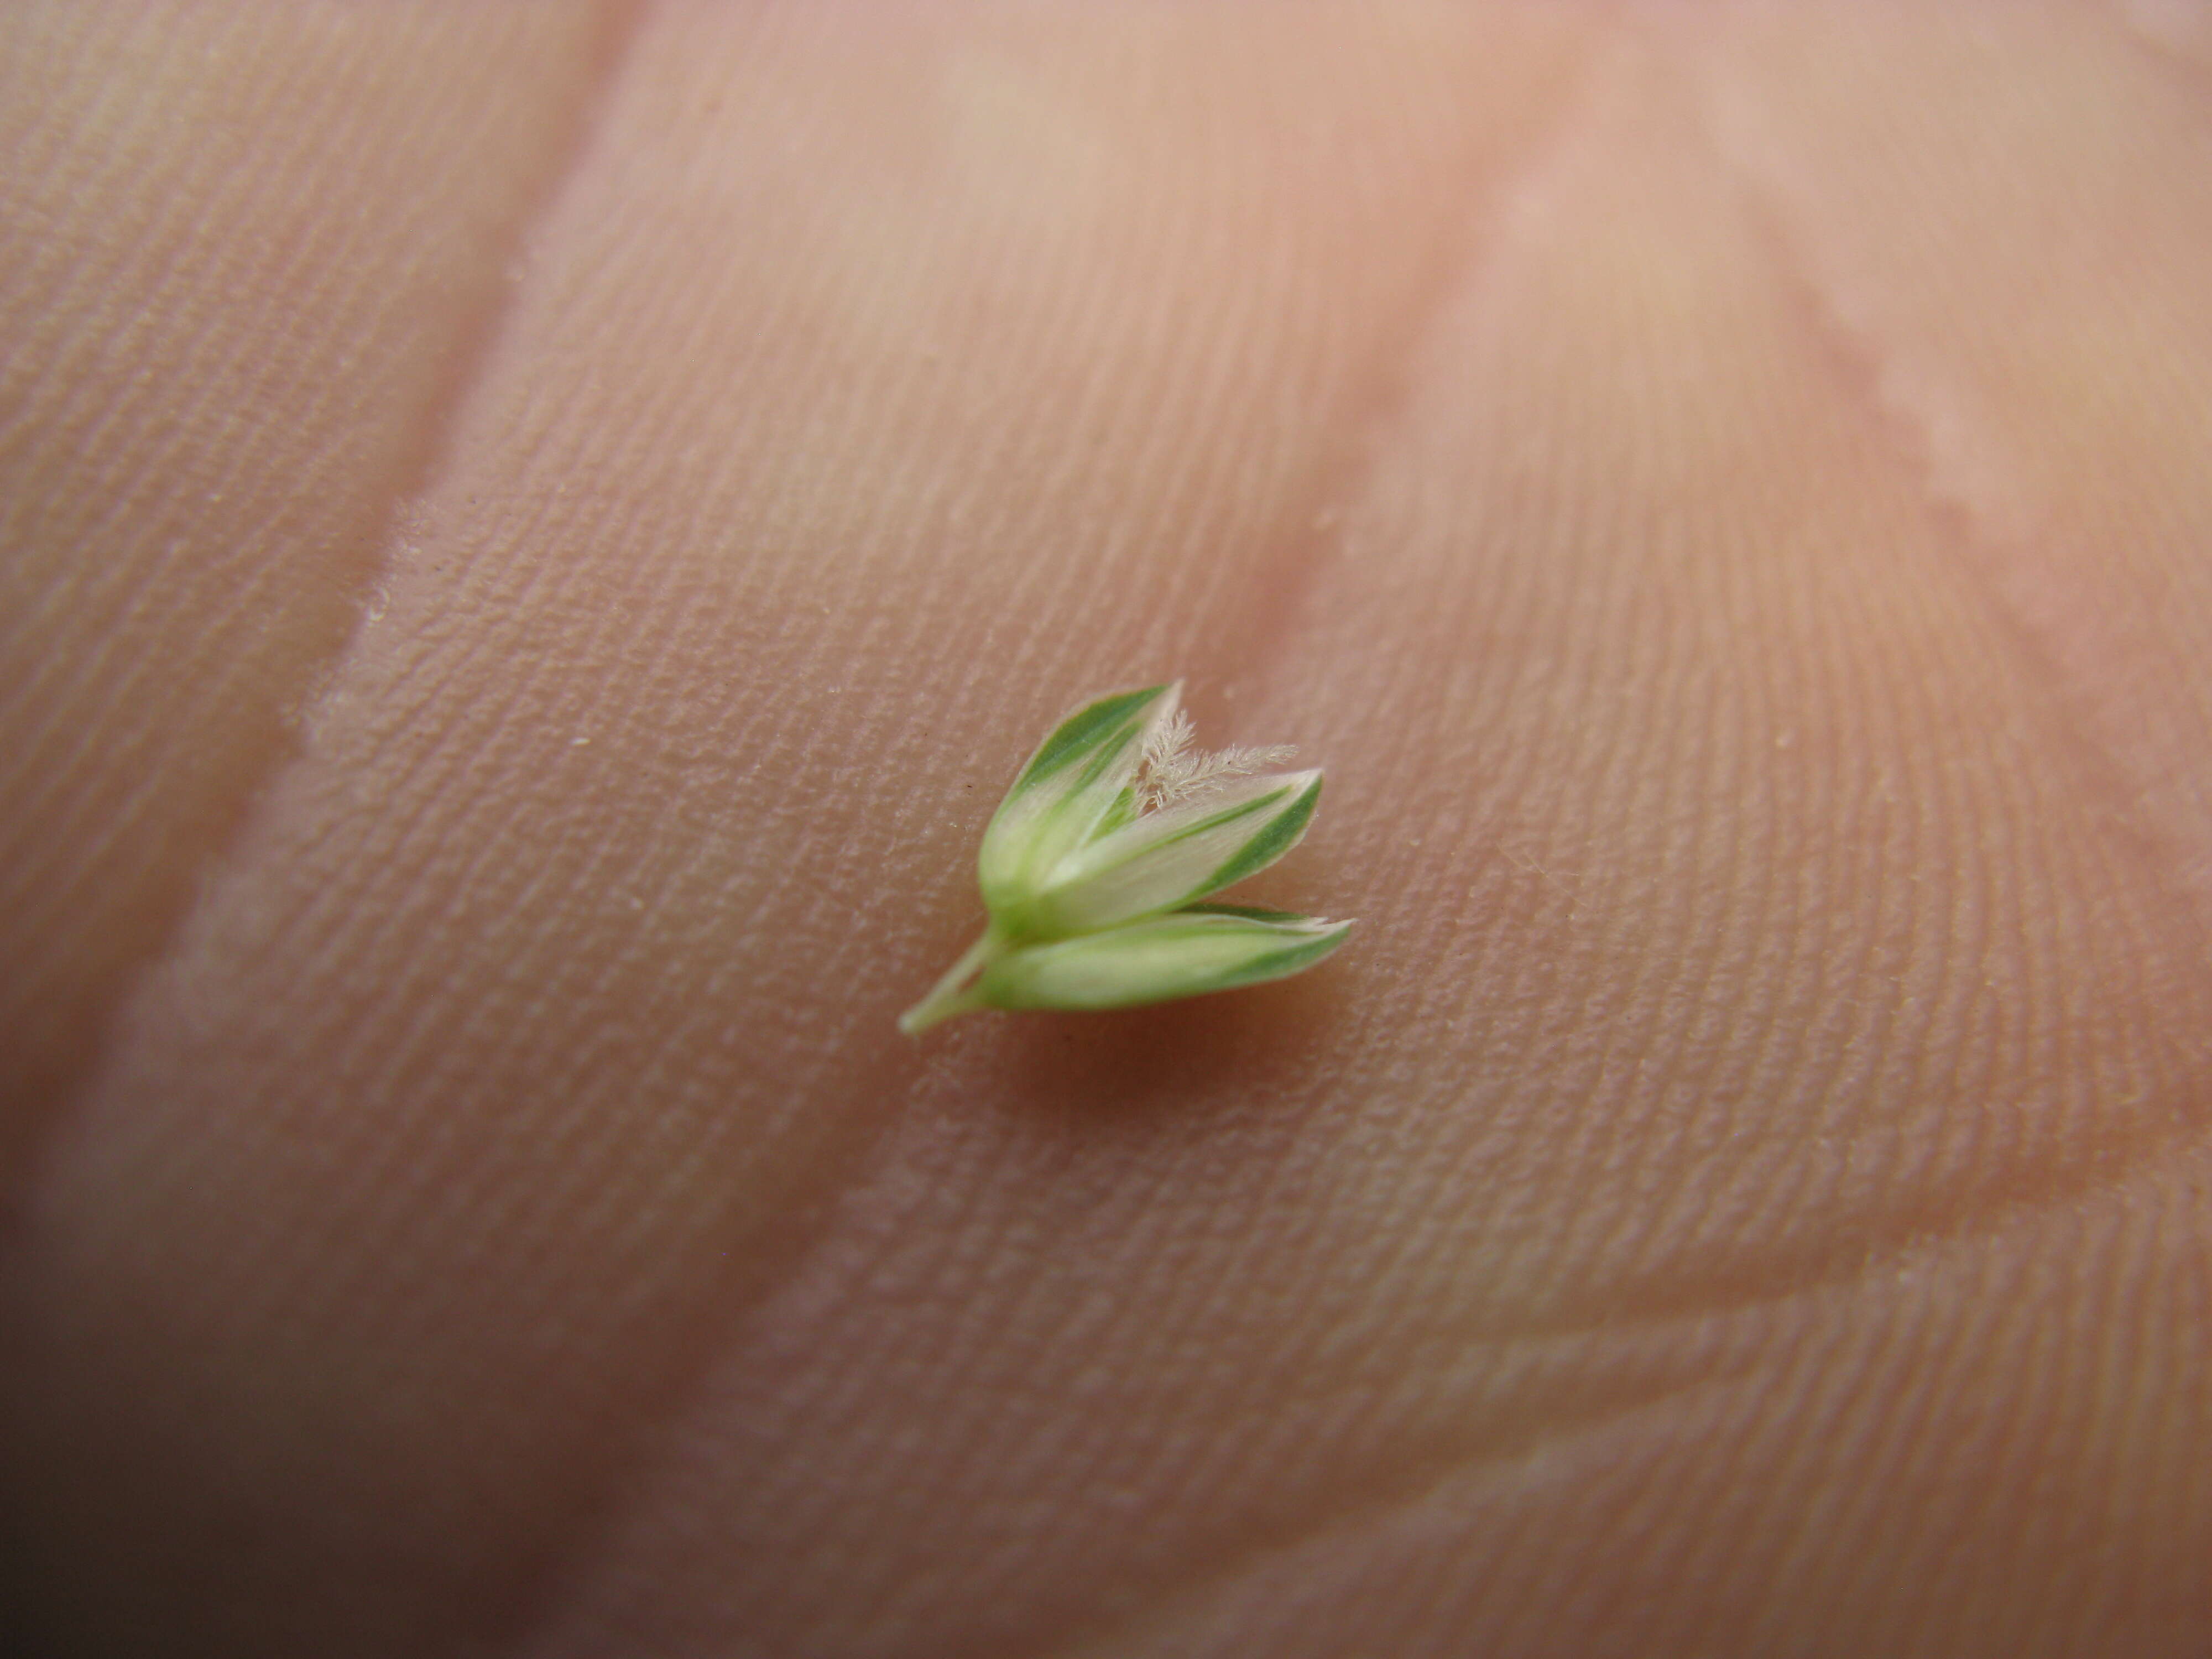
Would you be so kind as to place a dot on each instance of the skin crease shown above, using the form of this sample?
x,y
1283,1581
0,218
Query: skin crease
x,y
537,535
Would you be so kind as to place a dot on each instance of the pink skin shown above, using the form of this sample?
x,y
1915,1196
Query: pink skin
x,y
535,536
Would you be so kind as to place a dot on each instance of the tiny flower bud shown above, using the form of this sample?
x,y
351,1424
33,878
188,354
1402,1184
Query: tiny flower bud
x,y
1091,867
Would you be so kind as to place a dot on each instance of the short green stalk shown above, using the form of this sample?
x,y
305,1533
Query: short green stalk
x,y
957,992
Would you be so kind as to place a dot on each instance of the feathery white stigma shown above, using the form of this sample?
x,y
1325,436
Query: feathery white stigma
x,y
1173,771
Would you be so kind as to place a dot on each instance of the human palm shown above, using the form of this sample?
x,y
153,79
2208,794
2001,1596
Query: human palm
x,y
537,536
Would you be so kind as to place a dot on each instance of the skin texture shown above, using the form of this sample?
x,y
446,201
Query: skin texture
x,y
535,536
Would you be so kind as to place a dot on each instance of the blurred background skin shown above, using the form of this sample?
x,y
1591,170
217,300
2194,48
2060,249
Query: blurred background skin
x,y
535,535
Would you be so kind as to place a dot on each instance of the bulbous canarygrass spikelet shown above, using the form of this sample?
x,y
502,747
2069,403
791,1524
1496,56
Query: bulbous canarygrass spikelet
x,y
1093,866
